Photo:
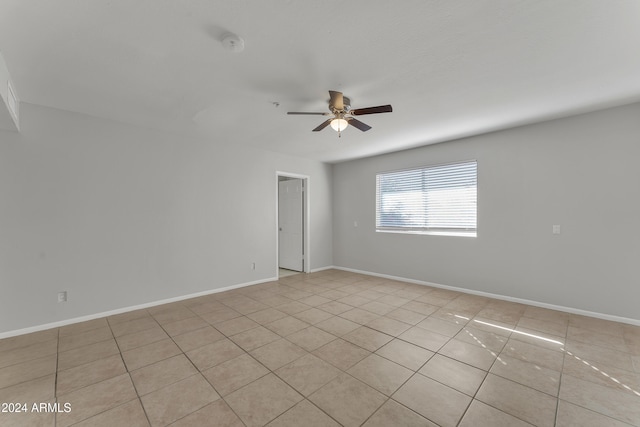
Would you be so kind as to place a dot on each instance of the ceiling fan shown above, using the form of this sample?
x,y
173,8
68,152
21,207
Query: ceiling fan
x,y
343,115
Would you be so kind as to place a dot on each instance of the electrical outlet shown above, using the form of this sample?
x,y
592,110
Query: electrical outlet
x,y
556,229
62,296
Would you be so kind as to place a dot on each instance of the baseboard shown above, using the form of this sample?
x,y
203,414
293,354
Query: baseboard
x,y
571,310
127,309
315,270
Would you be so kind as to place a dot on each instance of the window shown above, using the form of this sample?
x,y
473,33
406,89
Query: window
x,y
438,199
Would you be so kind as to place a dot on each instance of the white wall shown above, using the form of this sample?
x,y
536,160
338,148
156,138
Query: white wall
x,y
120,216
581,172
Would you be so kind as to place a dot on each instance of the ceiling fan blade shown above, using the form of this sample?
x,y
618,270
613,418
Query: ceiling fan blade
x,y
308,114
358,124
323,125
371,110
337,100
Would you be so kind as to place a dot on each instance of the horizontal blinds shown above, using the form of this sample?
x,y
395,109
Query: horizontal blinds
x,y
442,197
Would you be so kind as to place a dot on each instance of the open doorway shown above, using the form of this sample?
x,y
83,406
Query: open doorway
x,y
292,224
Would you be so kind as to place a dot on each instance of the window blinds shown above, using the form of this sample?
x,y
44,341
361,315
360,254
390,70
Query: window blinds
x,y
435,198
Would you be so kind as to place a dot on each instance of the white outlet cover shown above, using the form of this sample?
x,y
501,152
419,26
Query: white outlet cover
x,y
556,229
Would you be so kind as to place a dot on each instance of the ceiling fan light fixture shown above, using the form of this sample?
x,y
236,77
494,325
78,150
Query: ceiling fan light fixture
x,y
339,124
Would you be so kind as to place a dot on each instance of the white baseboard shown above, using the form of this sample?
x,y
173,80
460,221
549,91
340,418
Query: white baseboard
x,y
127,309
571,310
315,270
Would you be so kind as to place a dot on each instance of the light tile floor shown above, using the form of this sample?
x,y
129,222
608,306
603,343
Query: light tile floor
x,y
327,349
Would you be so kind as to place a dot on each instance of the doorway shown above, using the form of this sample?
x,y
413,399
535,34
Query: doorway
x,y
292,224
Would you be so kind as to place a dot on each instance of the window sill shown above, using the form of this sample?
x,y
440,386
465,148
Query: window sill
x,y
432,233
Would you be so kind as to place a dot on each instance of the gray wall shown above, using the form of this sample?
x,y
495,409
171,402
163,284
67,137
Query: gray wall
x,y
120,216
581,172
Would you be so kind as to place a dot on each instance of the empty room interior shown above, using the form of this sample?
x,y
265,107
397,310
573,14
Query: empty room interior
x,y
362,213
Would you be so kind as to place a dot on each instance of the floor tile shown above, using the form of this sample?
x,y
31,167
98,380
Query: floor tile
x,y
570,415
86,354
311,338
151,353
139,339
341,354
173,315
132,326
254,338
305,412
70,342
26,371
470,354
620,405
184,325
380,373
217,411
378,307
547,326
129,414
266,316
80,327
213,354
406,316
601,374
313,316
518,400
424,338
367,338
287,325
457,375
94,372
314,300
293,307
229,376
388,326
595,354
406,354
348,400
198,338
420,307
26,340
263,400
30,419
335,307
529,374
219,315
160,374
482,415
359,316
307,374
236,325
127,316
354,300
34,391
278,353
482,338
337,326
434,401
440,326
162,346
394,414
96,398
178,400
534,354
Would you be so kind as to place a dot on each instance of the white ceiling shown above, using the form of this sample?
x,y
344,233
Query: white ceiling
x,y
450,68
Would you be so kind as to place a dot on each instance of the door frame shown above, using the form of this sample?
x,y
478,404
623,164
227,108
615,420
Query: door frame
x,y
306,237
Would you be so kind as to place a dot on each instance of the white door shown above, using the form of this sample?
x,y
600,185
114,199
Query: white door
x,y
290,224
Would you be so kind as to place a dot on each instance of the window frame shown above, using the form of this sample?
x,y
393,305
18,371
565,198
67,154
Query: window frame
x,y
438,231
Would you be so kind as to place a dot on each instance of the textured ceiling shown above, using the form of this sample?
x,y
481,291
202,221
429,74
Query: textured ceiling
x,y
449,68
